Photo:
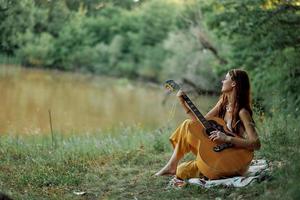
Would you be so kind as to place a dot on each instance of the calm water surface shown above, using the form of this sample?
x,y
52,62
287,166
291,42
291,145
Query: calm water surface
x,y
82,103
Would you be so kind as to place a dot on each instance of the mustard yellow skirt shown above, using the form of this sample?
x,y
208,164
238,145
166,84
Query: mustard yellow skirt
x,y
184,137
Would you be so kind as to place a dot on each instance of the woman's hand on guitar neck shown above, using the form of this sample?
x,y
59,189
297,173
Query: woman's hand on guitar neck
x,y
219,136
179,94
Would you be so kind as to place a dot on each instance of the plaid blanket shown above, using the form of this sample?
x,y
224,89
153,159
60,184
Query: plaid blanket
x,y
257,171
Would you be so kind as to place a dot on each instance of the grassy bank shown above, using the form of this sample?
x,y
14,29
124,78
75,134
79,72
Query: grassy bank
x,y
121,166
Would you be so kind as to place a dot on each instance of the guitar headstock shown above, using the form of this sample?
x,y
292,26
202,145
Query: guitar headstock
x,y
171,85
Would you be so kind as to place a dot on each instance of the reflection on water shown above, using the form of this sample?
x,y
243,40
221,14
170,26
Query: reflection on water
x,y
80,103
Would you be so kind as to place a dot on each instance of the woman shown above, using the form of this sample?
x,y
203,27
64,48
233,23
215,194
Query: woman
x,y
234,107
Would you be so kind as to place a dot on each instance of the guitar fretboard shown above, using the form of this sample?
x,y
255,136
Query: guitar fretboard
x,y
195,110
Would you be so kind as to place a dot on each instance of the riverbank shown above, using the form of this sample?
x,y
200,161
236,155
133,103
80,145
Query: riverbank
x,y
82,103
121,166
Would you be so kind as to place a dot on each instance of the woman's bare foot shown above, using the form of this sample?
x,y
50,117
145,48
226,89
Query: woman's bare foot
x,y
166,171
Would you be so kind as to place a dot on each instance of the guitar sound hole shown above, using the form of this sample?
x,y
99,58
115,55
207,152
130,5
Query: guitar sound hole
x,y
213,127
216,126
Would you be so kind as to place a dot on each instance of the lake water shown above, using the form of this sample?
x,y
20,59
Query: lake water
x,y
81,103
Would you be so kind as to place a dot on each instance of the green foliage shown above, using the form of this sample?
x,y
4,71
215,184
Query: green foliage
x,y
58,16
158,19
74,43
15,17
109,37
265,40
160,143
187,58
37,51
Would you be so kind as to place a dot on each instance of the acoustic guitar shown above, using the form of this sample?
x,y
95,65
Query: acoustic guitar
x,y
215,160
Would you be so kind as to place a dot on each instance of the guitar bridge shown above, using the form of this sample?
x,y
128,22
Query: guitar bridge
x,y
223,146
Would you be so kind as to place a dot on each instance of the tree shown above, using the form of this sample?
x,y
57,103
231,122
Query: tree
x,y
15,17
264,36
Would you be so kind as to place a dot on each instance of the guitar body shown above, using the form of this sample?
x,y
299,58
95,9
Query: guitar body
x,y
227,162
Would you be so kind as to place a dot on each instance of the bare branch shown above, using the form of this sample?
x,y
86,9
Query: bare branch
x,y
207,45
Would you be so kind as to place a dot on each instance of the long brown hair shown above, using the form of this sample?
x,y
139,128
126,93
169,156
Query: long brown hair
x,y
242,97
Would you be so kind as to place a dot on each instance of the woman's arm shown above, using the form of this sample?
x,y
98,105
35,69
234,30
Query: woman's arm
x,y
251,142
214,111
185,106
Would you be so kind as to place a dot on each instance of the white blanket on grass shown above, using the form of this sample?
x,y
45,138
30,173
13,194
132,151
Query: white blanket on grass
x,y
257,171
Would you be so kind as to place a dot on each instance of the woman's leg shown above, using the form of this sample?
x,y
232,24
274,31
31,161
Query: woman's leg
x,y
171,166
188,170
183,142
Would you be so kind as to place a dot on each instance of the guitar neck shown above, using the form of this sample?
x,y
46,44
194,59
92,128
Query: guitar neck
x,y
195,110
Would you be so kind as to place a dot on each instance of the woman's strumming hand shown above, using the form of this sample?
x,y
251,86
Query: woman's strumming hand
x,y
219,136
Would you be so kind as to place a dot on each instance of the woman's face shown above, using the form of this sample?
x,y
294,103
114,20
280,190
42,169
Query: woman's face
x,y
227,84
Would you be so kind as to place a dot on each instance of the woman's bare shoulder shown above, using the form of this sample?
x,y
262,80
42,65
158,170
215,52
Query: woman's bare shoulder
x,y
244,114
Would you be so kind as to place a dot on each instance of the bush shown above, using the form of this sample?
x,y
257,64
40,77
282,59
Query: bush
x,y
37,51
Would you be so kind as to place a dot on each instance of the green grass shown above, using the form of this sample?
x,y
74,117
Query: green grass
x,y
121,166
